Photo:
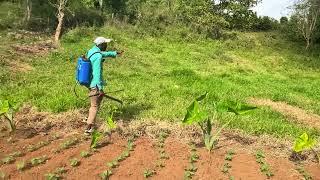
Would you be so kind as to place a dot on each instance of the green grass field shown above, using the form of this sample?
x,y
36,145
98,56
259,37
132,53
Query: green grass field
x,y
161,76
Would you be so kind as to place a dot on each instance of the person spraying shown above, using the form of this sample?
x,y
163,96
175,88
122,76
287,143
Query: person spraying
x,y
96,57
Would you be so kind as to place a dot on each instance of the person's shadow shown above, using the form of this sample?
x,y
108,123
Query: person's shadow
x,y
129,112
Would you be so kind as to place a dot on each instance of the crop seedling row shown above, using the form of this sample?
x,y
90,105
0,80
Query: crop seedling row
x,y
264,166
227,164
116,162
192,169
161,149
23,165
67,145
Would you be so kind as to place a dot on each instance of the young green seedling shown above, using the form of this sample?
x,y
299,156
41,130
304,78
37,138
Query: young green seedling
x,y
66,145
113,164
85,154
35,147
52,176
226,168
38,160
74,162
106,175
148,173
60,170
229,155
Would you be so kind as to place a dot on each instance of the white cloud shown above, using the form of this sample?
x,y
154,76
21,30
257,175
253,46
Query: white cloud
x,y
273,8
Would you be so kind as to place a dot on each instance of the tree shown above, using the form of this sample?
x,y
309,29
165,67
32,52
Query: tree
x,y
238,13
307,13
28,10
60,5
284,20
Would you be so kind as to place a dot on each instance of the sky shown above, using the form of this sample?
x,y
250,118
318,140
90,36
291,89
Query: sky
x,y
274,8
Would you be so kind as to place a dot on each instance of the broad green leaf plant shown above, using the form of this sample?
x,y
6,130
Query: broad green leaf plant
x,y
6,110
305,142
195,115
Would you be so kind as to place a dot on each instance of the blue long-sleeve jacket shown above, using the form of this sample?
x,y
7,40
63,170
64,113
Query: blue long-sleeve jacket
x,y
97,67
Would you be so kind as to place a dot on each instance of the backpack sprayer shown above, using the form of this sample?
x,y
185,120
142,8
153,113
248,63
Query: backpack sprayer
x,y
84,75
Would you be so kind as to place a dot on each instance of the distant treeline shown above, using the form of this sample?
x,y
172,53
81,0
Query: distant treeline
x,y
213,18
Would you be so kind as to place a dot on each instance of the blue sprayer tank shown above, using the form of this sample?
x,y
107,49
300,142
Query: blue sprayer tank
x,y
83,74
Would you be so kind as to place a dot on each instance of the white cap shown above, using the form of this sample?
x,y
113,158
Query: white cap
x,y
100,40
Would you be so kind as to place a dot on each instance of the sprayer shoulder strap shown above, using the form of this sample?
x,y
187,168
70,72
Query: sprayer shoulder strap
x,y
94,54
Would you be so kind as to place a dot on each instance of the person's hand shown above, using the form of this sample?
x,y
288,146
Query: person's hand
x,y
119,53
101,93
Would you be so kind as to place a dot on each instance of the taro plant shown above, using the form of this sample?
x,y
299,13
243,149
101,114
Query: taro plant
x,y
195,115
306,142
7,110
96,136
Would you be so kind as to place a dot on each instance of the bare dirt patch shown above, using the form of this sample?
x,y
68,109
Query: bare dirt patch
x,y
296,113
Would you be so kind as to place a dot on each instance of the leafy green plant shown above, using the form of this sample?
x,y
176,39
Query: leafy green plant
x,y
60,170
7,110
38,160
229,155
66,145
106,175
195,115
148,173
85,154
305,142
96,136
74,162
52,176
